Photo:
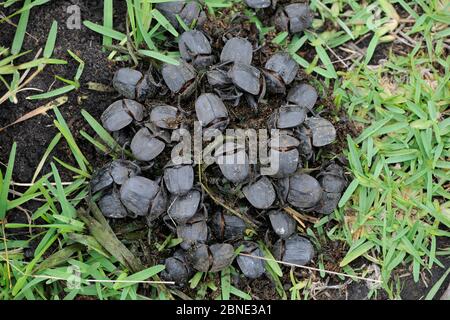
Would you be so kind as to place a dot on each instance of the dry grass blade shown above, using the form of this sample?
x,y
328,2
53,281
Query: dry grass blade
x,y
102,232
41,110
312,268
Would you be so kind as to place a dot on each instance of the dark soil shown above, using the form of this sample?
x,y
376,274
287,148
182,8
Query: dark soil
x,y
34,135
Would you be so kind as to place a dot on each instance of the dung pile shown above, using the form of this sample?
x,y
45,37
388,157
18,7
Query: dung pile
x,y
175,198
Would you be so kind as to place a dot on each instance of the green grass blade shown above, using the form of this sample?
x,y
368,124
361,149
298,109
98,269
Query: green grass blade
x,y
6,182
51,40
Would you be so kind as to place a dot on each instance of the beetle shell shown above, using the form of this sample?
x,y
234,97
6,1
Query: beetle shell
x,y
121,113
303,95
178,78
193,232
117,171
295,249
274,82
251,267
305,147
111,206
126,81
294,18
158,207
137,194
210,108
289,117
177,269
184,207
258,4
246,78
200,258
227,227
179,179
195,47
188,12
164,117
218,78
304,191
284,156
323,131
237,50
234,166
145,147
328,203
332,179
283,224
122,170
222,256
260,194
284,66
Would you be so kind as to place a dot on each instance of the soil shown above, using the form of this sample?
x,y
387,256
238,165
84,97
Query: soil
x,y
34,135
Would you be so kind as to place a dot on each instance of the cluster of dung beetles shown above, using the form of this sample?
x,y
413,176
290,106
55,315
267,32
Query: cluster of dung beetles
x,y
209,239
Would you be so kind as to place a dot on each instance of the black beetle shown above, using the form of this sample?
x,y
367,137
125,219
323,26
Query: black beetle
x,y
181,79
294,18
237,50
193,232
189,11
227,227
212,258
282,223
303,95
179,179
304,191
260,194
251,267
196,49
183,208
211,111
145,146
295,249
121,113
177,269
137,194
280,70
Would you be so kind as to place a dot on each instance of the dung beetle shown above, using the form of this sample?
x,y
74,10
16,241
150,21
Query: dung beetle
x,y
260,4
193,232
159,205
304,191
181,79
233,161
121,113
333,183
288,116
195,48
212,258
284,153
164,116
282,223
117,171
246,78
305,147
211,111
303,95
137,194
218,78
132,84
323,131
177,269
227,227
251,267
260,194
295,249
179,179
145,146
237,50
280,70
293,18
111,206
189,12
183,208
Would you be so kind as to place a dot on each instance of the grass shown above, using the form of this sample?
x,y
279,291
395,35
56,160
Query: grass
x,y
390,217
